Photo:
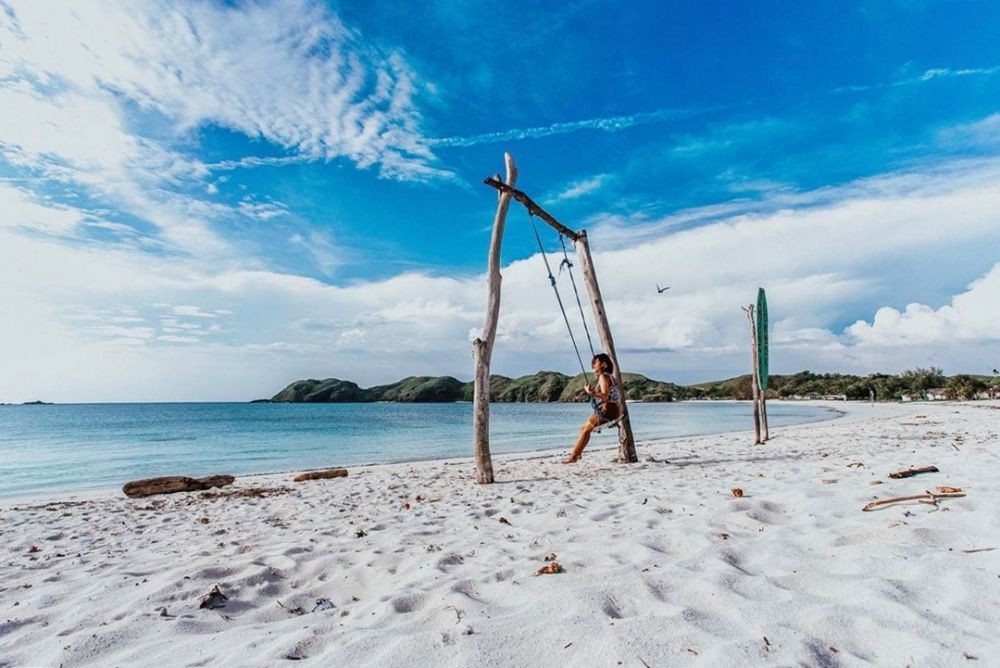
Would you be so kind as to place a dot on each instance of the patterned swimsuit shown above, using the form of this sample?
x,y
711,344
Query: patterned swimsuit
x,y
609,409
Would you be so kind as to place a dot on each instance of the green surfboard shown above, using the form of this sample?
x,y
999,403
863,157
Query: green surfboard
x,y
762,337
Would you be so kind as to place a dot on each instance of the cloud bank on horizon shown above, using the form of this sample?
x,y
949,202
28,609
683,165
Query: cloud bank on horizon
x,y
205,201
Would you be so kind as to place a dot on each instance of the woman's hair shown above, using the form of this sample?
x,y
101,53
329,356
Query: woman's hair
x,y
609,366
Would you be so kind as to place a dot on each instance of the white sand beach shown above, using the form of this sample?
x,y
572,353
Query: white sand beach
x,y
421,567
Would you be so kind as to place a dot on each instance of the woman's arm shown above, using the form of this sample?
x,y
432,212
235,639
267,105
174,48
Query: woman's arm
x,y
603,388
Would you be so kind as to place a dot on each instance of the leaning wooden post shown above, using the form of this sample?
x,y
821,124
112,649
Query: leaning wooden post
x,y
754,387
626,442
482,348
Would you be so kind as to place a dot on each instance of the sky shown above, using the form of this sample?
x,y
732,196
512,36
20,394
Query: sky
x,y
204,201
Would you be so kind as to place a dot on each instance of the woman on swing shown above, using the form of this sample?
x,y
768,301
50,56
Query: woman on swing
x,y
606,399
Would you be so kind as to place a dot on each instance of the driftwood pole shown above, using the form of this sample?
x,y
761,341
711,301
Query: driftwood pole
x,y
754,386
626,442
482,348
763,414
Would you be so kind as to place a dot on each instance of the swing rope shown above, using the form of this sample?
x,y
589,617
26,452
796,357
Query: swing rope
x,y
569,270
552,280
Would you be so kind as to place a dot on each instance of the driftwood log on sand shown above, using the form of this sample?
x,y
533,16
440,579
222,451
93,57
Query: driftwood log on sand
x,y
173,484
321,475
926,497
909,473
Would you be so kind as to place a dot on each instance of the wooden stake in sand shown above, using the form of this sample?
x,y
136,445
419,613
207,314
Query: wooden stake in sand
x,y
482,348
754,386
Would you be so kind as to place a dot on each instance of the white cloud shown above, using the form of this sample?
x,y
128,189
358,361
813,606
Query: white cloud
x,y
104,100
973,315
835,258
289,72
580,188
17,210
192,312
984,133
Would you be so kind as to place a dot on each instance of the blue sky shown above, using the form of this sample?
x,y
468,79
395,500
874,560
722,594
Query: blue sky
x,y
207,201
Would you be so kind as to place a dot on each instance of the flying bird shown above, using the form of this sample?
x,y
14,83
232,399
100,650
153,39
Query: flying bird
x,y
660,290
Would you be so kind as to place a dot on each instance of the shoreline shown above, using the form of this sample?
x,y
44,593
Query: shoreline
x,y
45,498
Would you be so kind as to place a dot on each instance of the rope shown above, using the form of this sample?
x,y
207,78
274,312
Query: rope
x,y
569,270
552,280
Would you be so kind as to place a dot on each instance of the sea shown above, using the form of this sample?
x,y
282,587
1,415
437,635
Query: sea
x,y
54,449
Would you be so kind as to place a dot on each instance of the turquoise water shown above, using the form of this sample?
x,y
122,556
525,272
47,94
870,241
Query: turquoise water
x,y
77,447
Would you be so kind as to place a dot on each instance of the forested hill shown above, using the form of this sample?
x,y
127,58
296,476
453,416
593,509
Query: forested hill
x,y
547,386
544,386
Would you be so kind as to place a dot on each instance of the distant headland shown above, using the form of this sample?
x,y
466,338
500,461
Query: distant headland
x,y
552,386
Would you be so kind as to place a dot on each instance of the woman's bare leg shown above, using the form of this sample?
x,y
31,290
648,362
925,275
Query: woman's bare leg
x,y
582,442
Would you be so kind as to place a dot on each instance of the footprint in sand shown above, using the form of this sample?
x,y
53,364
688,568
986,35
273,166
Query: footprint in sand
x,y
408,603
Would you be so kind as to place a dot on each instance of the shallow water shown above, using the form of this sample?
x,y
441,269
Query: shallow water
x,y
77,447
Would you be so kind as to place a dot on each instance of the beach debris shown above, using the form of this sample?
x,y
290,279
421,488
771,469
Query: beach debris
x,y
551,568
767,644
418,498
833,649
966,655
504,520
33,549
875,482
722,536
855,465
214,599
323,604
292,611
320,475
174,484
932,497
979,549
458,612
204,520
248,493
551,557
737,492
829,481
909,473
360,533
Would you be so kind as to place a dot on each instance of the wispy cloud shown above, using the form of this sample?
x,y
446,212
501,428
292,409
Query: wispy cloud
x,y
927,75
984,133
606,124
580,188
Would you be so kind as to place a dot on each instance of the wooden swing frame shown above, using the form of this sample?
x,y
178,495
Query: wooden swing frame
x,y
482,347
